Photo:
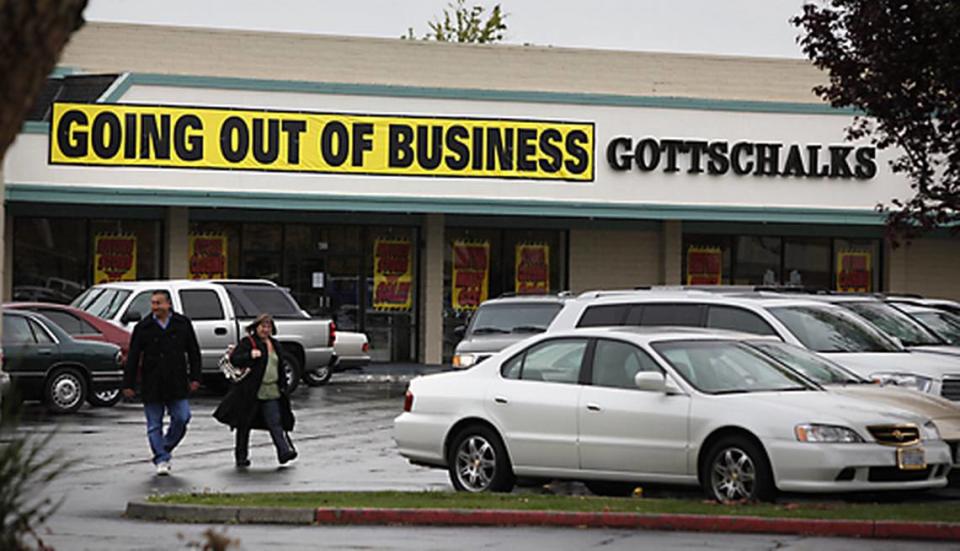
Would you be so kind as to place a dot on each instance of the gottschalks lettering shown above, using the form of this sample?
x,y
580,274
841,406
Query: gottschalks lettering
x,y
187,137
742,158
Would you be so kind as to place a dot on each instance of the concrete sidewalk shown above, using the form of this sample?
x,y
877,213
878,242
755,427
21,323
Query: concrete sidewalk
x,y
143,510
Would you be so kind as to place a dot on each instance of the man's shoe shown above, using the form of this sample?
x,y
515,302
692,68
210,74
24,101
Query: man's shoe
x,y
288,457
243,462
163,468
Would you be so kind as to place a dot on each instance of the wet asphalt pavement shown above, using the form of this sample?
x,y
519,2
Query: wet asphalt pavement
x,y
343,437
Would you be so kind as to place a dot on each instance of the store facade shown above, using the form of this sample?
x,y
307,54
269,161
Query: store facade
x,y
396,209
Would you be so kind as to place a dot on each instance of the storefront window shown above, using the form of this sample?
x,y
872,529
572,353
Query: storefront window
x,y
506,261
757,261
52,259
261,252
812,262
57,258
806,262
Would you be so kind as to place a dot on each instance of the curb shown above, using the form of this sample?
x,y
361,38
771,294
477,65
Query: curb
x,y
469,517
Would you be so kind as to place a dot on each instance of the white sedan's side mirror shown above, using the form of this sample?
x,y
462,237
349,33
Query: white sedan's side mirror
x,y
650,380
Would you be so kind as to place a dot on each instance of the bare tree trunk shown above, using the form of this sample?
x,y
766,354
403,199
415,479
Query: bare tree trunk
x,y
32,35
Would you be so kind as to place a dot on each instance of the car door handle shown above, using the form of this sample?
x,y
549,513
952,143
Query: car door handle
x,y
593,407
220,331
45,351
500,399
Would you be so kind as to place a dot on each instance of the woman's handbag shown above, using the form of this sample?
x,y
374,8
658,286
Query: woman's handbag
x,y
230,372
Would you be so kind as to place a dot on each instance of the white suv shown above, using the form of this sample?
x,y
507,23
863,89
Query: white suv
x,y
830,330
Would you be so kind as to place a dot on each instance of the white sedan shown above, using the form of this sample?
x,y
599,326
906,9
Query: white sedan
x,y
618,406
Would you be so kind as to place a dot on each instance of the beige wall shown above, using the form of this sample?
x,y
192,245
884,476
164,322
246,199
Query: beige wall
x,y
930,267
614,259
115,47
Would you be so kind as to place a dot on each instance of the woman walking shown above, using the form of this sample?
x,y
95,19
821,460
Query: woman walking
x,y
259,400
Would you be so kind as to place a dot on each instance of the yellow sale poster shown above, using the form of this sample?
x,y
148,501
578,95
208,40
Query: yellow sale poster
x,y
532,269
704,266
392,274
471,274
114,258
208,256
854,272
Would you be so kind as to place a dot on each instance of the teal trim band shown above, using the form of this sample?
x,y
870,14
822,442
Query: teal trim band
x,y
59,71
35,127
43,193
229,83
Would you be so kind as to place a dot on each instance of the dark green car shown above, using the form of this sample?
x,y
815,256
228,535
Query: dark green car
x,y
46,364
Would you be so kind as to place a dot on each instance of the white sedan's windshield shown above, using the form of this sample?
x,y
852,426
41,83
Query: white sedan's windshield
x,y
808,364
727,367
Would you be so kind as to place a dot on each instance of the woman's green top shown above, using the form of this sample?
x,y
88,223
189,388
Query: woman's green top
x,y
268,387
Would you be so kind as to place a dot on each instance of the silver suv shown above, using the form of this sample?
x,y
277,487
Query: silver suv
x,y
220,310
502,321
827,329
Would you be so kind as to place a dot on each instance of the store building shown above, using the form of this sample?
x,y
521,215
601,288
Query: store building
x,y
394,184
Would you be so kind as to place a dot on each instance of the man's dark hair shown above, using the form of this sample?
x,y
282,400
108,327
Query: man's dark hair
x,y
165,293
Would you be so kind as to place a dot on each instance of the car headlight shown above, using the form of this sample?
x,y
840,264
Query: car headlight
x,y
929,431
906,380
826,434
464,360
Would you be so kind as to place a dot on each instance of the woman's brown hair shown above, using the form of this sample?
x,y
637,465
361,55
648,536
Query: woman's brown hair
x,y
252,328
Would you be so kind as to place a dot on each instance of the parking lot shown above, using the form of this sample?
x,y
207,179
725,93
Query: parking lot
x,y
343,435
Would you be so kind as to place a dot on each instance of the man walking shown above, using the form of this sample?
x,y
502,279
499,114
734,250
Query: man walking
x,y
162,347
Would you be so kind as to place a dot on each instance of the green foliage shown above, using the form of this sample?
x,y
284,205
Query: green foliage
x,y
26,467
898,61
461,23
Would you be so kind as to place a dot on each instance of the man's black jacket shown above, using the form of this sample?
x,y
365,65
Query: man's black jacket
x,y
163,356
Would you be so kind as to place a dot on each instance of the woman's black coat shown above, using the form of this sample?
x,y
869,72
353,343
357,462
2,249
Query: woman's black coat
x,y
240,406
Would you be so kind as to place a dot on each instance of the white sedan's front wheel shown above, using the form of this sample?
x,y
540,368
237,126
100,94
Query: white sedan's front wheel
x,y
478,462
738,471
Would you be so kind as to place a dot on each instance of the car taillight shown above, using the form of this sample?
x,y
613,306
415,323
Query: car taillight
x,y
366,347
408,401
332,337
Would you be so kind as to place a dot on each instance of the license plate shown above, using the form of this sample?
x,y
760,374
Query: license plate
x,y
911,459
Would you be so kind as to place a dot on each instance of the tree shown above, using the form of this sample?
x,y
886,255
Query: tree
x,y
898,62
32,35
466,24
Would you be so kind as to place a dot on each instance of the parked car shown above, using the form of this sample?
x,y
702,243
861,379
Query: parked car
x,y
84,327
220,310
829,330
939,303
908,331
833,377
351,351
500,322
944,323
619,406
46,364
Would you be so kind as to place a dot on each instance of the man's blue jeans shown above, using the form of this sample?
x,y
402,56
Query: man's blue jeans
x,y
162,444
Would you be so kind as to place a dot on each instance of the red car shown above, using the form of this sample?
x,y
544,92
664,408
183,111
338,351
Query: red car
x,y
82,326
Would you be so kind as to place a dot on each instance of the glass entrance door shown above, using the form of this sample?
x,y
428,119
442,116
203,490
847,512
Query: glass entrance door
x,y
343,292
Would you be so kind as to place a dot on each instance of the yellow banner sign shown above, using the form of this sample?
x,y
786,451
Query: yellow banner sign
x,y
532,269
471,274
339,143
208,256
392,274
114,258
